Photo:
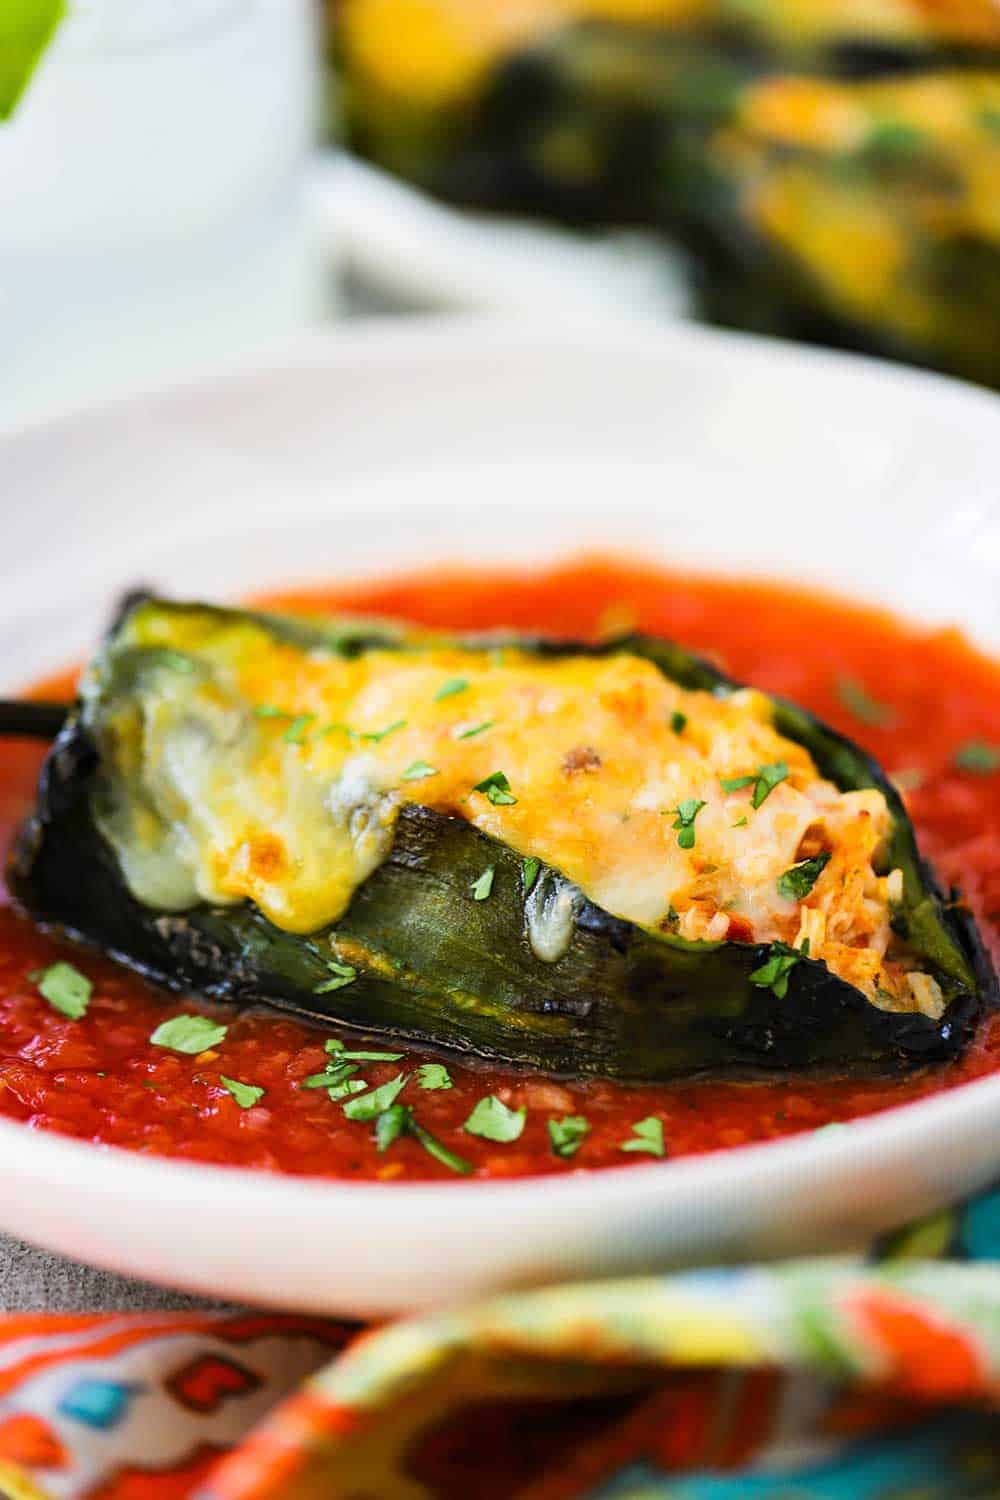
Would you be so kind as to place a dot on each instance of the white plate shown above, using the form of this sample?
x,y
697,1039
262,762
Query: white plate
x,y
359,453
409,248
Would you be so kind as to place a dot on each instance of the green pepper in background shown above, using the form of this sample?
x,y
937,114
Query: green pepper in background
x,y
26,28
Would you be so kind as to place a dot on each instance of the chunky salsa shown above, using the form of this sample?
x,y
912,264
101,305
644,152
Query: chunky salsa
x,y
83,1045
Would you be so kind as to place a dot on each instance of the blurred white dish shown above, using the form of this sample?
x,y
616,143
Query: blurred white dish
x,y
407,248
362,452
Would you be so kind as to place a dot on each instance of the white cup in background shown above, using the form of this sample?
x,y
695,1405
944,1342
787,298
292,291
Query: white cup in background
x,y
150,195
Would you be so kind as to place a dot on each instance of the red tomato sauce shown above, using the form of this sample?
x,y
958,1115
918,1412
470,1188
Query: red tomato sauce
x,y
100,1079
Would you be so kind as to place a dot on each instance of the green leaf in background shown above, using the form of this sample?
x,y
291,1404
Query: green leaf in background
x,y
26,28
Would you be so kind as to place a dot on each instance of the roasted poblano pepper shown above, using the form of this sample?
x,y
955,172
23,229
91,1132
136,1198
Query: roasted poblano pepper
x,y
591,859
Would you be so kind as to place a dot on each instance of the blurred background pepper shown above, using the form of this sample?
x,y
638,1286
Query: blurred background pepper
x,y
832,167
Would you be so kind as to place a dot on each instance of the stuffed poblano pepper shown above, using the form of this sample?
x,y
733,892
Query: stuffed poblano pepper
x,y
591,859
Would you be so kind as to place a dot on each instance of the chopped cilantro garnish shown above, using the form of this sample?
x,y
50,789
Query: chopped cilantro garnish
x,y
390,1125
858,701
492,1120
296,731
686,813
673,916
191,1034
376,735
497,789
245,1094
331,1076
481,888
66,989
268,711
449,689
434,1076
418,770
566,1135
741,822
468,734
530,868
647,1136
367,1106
768,777
342,974
800,879
678,721
736,783
763,780
440,1153
774,971
371,1056
346,1087
977,756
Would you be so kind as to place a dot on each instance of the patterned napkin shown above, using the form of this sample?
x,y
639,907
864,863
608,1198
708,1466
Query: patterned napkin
x,y
835,1379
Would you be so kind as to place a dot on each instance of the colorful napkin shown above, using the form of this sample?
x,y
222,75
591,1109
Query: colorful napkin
x,y
827,1379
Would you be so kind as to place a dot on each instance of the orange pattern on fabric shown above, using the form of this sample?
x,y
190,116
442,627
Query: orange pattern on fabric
x,y
925,1357
29,1440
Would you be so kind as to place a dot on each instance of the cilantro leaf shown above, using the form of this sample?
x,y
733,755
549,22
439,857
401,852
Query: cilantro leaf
x,y
440,1152
245,1094
390,1125
434,1076
678,721
497,789
190,1034
798,881
375,736
858,702
449,689
482,887
268,711
647,1136
367,1106
686,813
418,770
737,783
768,777
66,989
346,1087
468,734
977,756
567,1135
331,1076
763,780
492,1120
530,868
774,971
296,731
342,974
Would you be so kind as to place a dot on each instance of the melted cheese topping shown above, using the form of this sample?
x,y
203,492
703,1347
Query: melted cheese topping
x,y
435,53
247,768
